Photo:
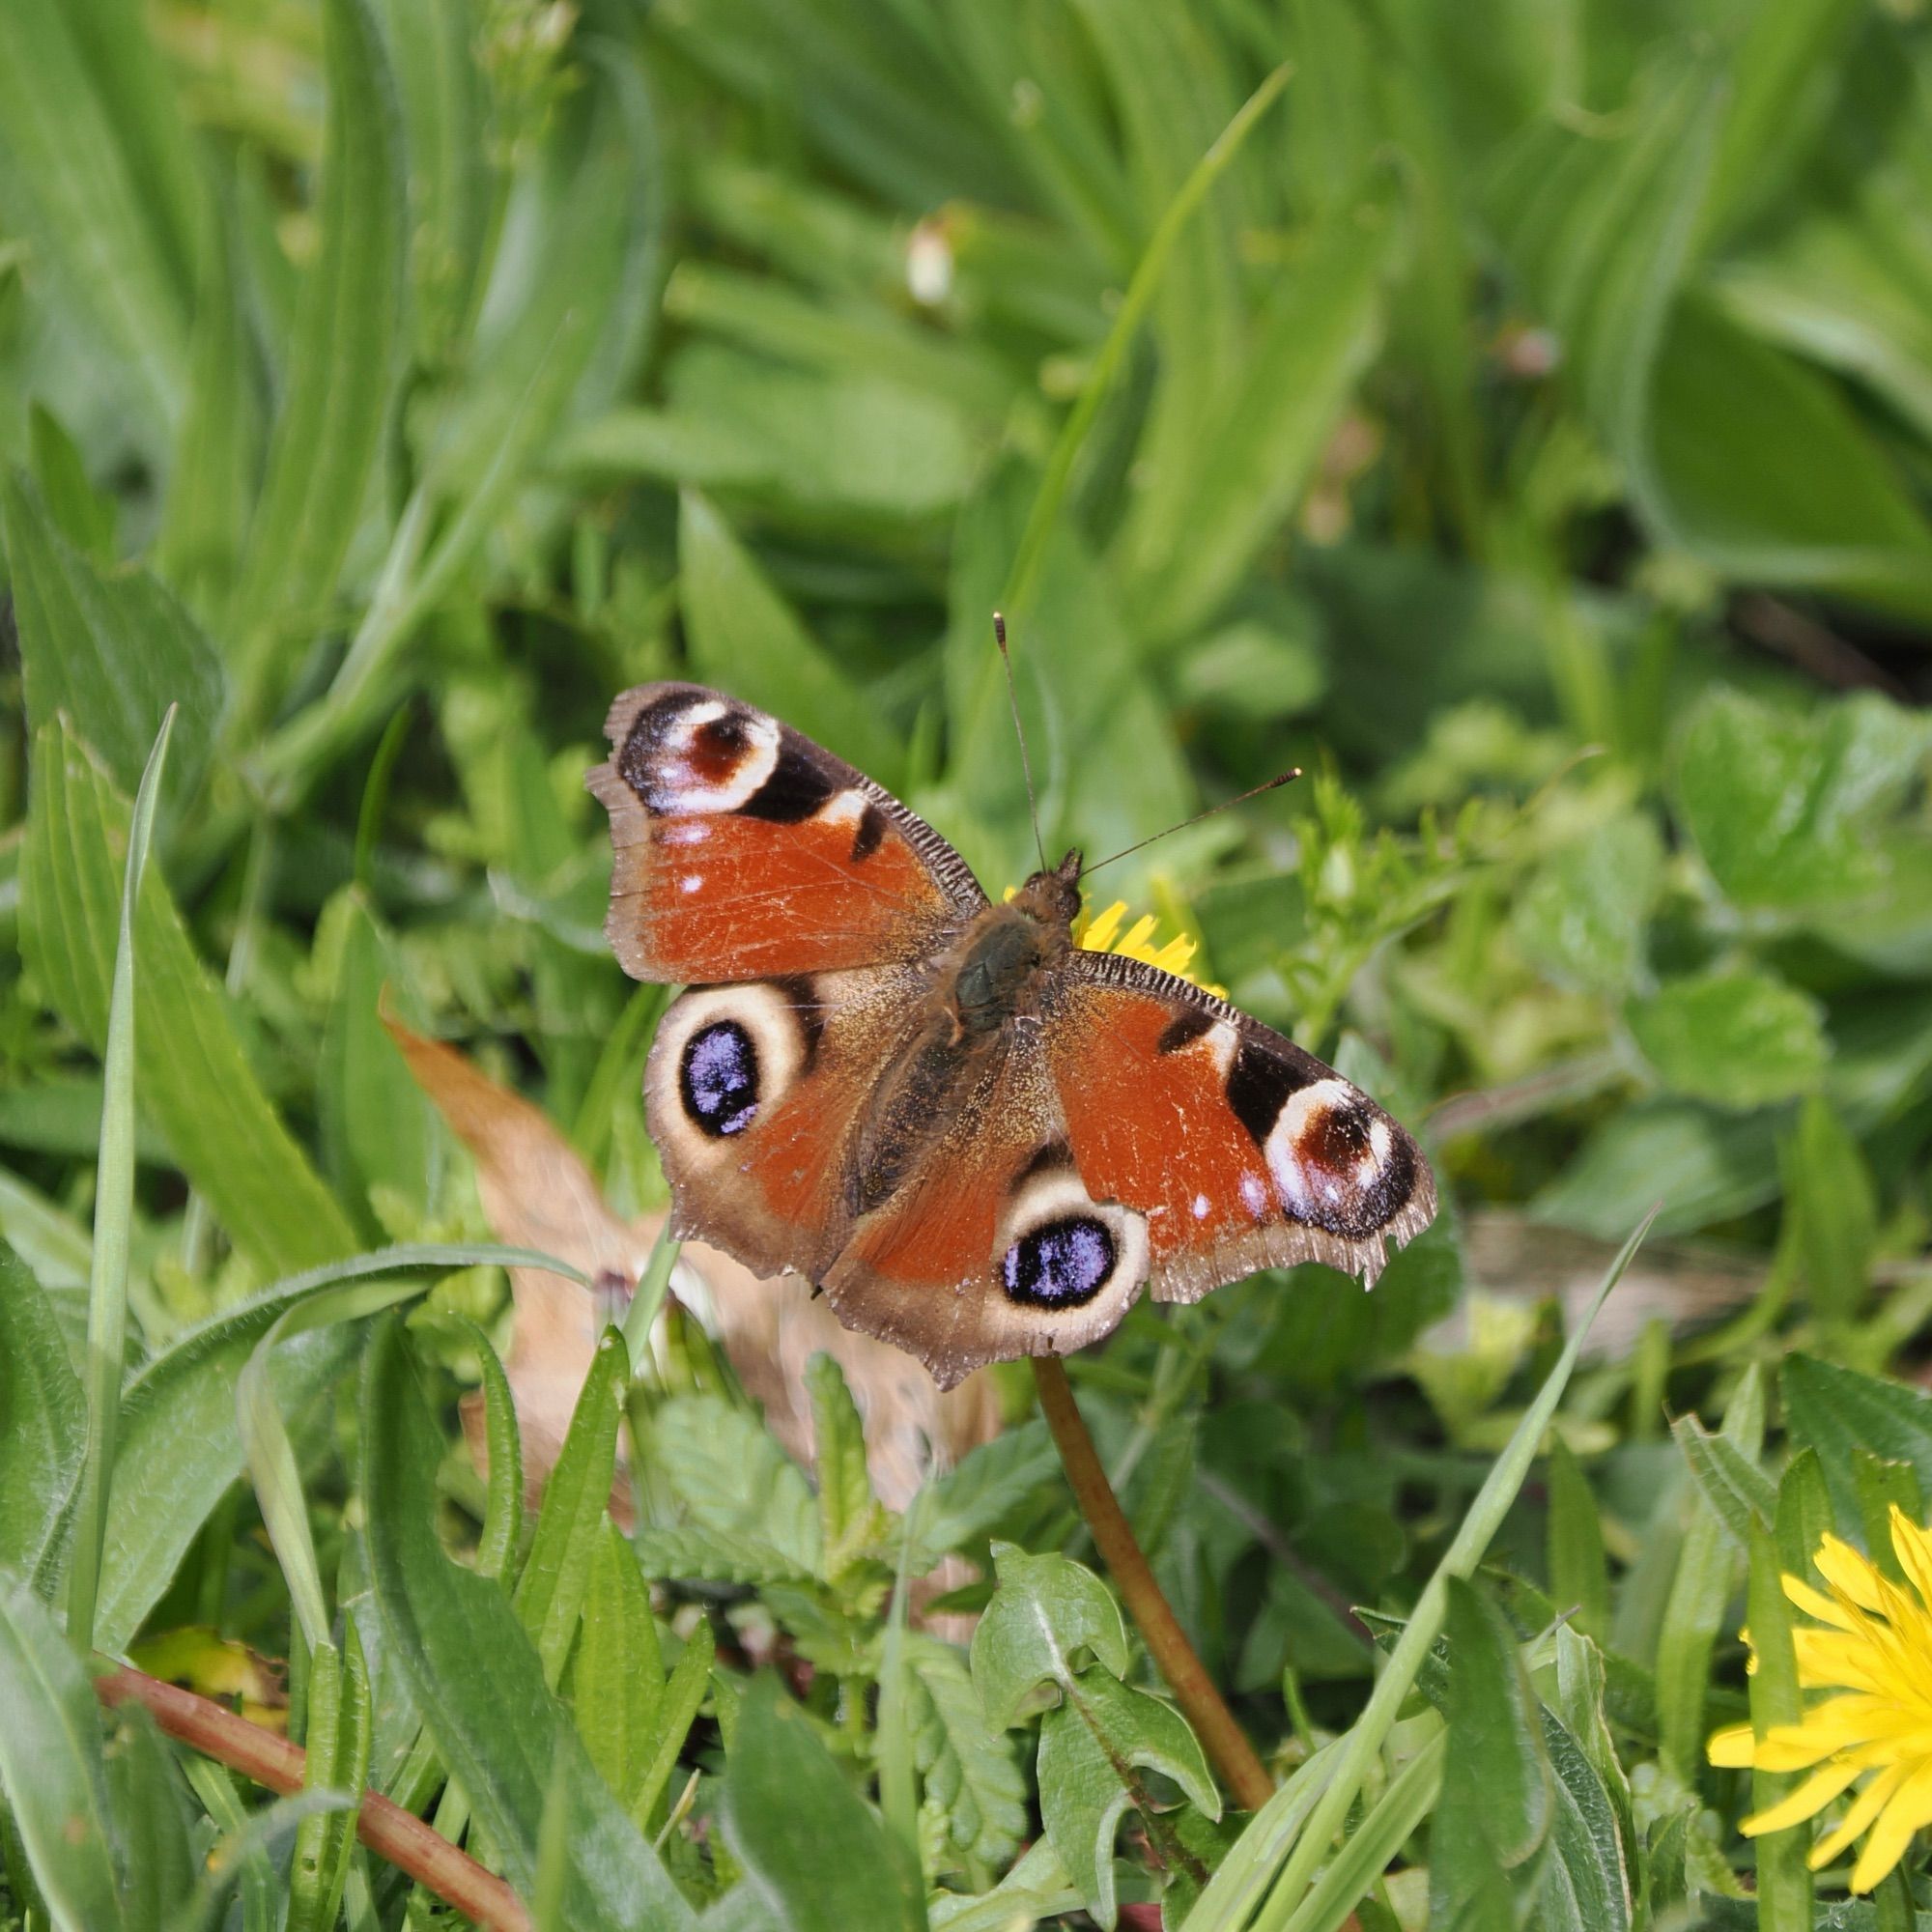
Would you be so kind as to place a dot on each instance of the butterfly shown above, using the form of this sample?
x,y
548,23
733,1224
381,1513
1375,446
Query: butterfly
x,y
977,1138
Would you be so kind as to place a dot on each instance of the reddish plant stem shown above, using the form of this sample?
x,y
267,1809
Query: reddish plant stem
x,y
1225,1741
386,1829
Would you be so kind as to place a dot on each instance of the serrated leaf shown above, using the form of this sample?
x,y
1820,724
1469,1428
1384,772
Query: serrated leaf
x,y
1735,1486
730,1477
557,1574
983,1488
1837,1412
617,1683
42,1425
968,1768
192,1077
813,1855
1587,1874
1739,1037
692,1554
1045,1612
1583,915
851,1522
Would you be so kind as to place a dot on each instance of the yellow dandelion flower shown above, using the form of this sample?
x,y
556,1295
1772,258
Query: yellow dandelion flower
x,y
1101,934
1871,1643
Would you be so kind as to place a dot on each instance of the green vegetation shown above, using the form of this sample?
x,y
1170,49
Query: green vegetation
x,y
1521,417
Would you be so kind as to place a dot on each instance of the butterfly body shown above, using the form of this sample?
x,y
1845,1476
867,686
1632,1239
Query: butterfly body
x,y
979,1139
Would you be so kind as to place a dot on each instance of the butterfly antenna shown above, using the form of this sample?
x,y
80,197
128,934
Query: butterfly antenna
x,y
1019,732
1280,778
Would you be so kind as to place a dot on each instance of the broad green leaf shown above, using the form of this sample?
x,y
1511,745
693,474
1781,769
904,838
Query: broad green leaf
x,y
446,112
986,1485
1725,411
851,1521
51,1768
1706,1579
1498,1793
1579,1579
337,1740
192,1075
1805,1501
151,1820
479,1682
43,1426
1702,1165
744,638
271,1454
1737,1037
1781,803
1236,476
617,1682
181,1448
1586,1866
1744,1498
76,175
1089,1746
111,651
1883,1485
732,1484
813,1856
968,1768
377,1126
556,1575
342,365
74,507
1830,1195
217,450
1582,917
1045,1613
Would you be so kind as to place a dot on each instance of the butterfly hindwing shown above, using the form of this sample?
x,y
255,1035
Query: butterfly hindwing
x,y
745,851
991,1247
755,1095
1242,1151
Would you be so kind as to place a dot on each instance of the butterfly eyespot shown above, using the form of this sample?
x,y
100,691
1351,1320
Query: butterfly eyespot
x,y
718,1078
1060,1264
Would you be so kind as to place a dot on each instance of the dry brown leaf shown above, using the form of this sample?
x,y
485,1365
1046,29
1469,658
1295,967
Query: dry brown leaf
x,y
538,1193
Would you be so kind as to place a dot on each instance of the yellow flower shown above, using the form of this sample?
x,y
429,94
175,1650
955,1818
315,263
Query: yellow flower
x,y
1871,1643
1101,934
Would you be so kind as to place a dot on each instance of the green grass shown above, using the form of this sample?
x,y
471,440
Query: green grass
x,y
1520,417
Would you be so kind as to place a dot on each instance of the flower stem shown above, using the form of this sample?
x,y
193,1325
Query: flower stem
x,y
386,1829
1203,1705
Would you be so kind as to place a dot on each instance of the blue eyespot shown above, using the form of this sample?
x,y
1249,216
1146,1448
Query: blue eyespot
x,y
1058,1264
719,1078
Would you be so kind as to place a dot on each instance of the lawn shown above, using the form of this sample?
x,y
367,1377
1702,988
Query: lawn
x,y
1518,419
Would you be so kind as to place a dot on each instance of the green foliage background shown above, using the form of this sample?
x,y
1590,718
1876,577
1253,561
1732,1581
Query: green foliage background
x,y
1525,425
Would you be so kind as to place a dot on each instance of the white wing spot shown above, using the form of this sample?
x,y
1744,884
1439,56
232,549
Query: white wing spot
x,y
1255,1195
1200,1206
691,882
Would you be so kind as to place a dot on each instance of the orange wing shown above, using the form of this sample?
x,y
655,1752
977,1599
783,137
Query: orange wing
x,y
744,851
1240,1150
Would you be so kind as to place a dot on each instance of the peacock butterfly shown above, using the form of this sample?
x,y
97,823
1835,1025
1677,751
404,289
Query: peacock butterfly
x,y
979,1138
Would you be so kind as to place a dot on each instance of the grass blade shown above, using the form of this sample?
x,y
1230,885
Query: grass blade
x,y
113,1214
1372,1729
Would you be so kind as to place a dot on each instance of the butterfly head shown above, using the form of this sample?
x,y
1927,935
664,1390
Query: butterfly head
x,y
1053,897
